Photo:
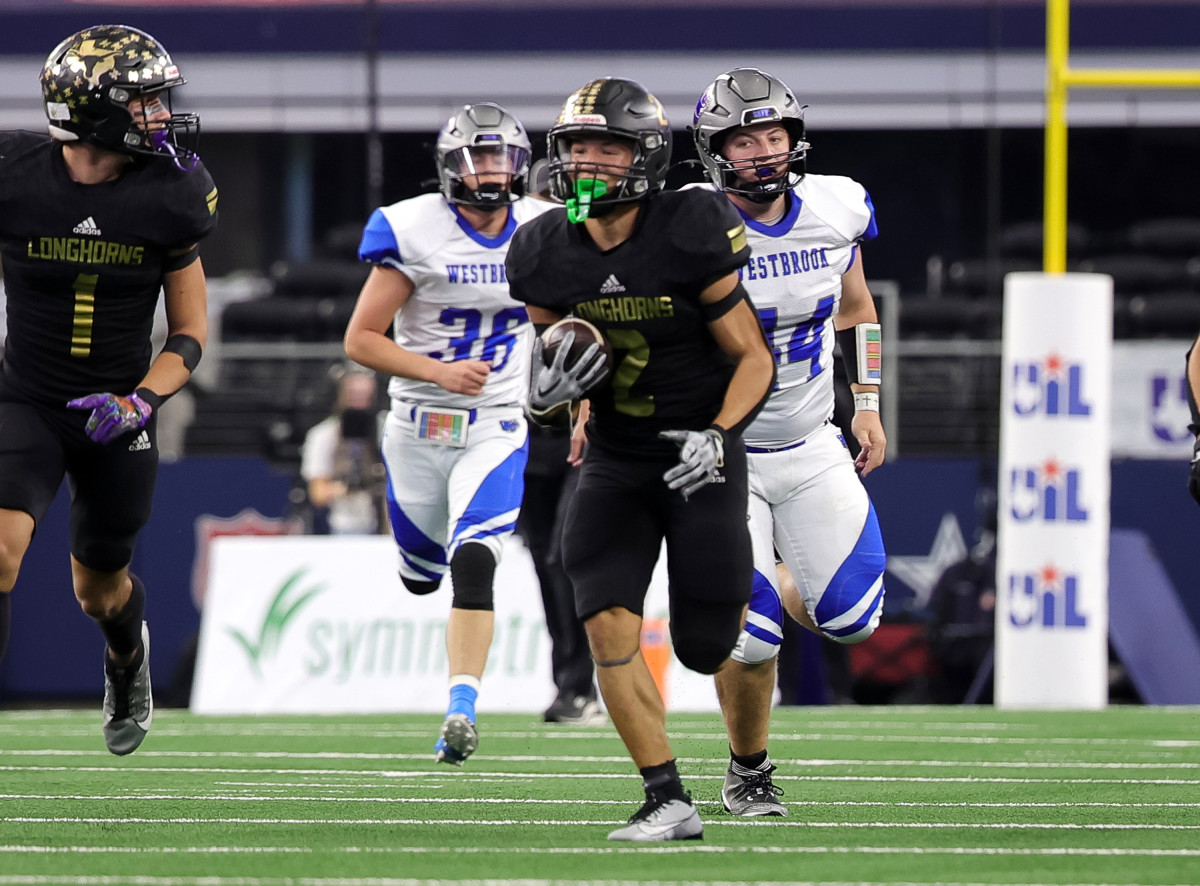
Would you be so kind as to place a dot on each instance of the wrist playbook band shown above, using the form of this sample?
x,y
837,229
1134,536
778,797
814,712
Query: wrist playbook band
x,y
862,353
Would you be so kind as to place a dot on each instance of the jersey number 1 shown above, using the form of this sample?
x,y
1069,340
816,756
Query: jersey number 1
x,y
85,314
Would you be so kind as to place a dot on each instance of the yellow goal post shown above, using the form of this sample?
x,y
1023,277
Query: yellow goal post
x,y
1060,78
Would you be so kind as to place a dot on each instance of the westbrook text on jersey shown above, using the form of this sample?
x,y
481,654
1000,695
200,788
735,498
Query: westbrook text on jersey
x,y
476,273
784,264
77,249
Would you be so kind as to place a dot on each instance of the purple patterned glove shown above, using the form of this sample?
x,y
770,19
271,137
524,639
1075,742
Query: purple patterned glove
x,y
111,415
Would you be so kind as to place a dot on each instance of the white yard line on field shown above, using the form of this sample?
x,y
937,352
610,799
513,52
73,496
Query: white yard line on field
x,y
39,880
509,822
485,776
996,851
795,763
526,801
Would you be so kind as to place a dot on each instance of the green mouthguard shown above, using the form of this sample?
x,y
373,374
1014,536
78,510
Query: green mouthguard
x,y
586,190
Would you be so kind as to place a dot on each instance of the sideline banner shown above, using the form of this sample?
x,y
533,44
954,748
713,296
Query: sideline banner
x,y
322,625
1150,408
1052,545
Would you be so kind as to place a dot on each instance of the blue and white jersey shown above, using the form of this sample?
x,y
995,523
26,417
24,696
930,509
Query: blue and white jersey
x,y
460,308
794,278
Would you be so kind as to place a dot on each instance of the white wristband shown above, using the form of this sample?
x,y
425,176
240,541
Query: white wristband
x,y
867,402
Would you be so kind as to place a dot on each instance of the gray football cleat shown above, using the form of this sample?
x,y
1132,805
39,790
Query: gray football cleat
x,y
750,792
128,702
660,820
458,740
576,710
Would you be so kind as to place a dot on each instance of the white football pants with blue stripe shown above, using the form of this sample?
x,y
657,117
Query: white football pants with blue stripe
x,y
441,496
810,505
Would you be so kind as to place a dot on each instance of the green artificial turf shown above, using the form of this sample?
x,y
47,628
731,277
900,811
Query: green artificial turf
x,y
876,795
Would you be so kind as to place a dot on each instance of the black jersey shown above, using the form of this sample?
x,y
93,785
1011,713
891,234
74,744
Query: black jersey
x,y
644,296
83,266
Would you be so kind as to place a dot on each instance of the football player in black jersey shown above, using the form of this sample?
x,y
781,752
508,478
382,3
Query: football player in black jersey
x,y
1193,392
95,219
657,273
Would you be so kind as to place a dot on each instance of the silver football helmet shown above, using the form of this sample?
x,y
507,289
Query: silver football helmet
x,y
487,143
745,97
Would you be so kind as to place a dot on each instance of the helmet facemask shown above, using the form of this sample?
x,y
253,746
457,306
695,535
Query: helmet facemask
x,y
175,135
488,175
763,178
590,188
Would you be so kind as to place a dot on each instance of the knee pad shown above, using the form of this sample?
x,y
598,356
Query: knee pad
x,y
421,588
472,568
763,632
705,633
754,650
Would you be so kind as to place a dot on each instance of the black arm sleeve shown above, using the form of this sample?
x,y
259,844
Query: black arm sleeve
x,y
1194,427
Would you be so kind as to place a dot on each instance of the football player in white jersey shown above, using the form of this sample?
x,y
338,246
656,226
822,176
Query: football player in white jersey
x,y
455,442
807,503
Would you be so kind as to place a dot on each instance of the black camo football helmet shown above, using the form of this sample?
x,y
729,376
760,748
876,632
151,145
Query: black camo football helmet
x,y
90,78
480,138
615,107
744,97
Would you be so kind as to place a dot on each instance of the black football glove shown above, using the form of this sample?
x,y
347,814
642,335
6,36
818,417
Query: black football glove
x,y
1194,477
555,383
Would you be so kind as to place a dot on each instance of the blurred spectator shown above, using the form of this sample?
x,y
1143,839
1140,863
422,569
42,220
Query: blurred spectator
x,y
341,462
963,608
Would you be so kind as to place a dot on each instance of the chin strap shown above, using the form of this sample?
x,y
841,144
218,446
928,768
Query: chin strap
x,y
586,190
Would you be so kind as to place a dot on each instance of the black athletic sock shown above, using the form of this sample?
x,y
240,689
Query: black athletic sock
x,y
750,761
123,632
5,620
663,781
120,671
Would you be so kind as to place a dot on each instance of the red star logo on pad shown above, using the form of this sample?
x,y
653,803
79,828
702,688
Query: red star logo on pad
x,y
1050,576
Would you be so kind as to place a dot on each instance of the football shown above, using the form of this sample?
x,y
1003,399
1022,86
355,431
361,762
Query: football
x,y
585,335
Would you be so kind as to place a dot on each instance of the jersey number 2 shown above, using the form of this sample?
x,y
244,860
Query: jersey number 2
x,y
634,351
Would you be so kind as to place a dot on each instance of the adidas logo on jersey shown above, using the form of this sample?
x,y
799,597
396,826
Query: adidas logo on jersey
x,y
140,443
611,285
87,226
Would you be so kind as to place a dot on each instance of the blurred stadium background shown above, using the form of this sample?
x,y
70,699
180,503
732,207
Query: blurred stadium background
x,y
315,112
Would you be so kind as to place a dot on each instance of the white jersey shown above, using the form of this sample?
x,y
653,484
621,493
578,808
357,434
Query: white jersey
x,y
794,278
460,308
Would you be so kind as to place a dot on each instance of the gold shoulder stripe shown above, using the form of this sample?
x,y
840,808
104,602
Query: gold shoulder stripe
x,y
737,238
211,199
